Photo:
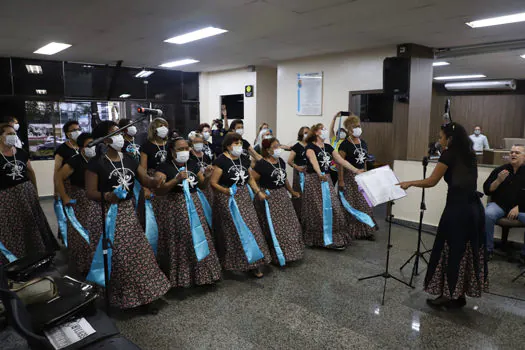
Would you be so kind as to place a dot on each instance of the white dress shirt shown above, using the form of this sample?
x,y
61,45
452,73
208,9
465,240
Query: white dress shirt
x,y
480,142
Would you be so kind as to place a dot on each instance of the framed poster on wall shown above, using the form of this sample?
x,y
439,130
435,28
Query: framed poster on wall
x,y
310,93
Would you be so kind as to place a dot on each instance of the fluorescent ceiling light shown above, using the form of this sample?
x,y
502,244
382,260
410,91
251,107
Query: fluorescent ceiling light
x,y
196,35
495,21
52,48
439,64
522,56
179,63
144,73
33,69
458,77
125,96
41,92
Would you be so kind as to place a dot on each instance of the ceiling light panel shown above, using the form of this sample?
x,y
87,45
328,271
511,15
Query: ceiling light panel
x,y
52,48
496,21
179,63
195,35
41,92
34,69
125,96
459,77
144,73
440,64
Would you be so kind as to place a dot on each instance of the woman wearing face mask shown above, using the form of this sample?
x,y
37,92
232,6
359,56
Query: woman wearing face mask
x,y
130,147
240,242
13,121
135,277
237,126
264,134
185,264
458,264
204,161
355,151
319,156
24,229
205,130
85,210
297,160
270,173
336,139
263,126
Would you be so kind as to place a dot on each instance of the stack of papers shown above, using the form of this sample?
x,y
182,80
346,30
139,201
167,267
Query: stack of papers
x,y
379,186
69,333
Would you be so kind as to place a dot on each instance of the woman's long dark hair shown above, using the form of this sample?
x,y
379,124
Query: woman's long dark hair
x,y
459,141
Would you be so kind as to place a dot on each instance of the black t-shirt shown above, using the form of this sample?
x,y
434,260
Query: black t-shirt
x,y
324,157
300,154
13,172
79,164
132,149
272,175
203,161
217,138
171,169
356,154
65,152
233,171
156,154
461,174
207,150
113,174
510,192
245,146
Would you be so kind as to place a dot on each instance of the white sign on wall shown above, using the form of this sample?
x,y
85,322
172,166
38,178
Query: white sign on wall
x,y
310,94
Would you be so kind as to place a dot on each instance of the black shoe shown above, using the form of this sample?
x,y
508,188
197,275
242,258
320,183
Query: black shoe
x,y
339,248
458,303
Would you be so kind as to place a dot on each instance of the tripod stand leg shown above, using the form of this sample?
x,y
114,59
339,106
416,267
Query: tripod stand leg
x,y
406,284
518,276
369,277
408,261
384,292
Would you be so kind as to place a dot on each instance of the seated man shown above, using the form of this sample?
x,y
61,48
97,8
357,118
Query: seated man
x,y
506,186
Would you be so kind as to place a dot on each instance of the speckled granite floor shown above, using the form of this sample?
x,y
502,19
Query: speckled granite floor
x,y
319,304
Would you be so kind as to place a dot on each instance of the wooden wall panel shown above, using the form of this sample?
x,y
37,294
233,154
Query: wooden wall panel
x,y
499,116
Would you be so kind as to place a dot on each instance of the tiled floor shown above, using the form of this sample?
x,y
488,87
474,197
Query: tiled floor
x,y
319,304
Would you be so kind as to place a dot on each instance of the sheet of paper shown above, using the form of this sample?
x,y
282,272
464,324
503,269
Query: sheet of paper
x,y
379,185
69,333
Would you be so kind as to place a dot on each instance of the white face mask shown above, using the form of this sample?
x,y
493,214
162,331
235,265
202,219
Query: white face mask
x,y
325,135
236,151
305,136
357,132
16,126
267,137
198,147
277,153
342,135
182,157
90,152
477,132
74,135
240,131
132,131
10,140
117,142
206,136
162,132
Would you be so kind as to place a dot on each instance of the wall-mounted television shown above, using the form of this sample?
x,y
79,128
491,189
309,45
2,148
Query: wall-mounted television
x,y
373,107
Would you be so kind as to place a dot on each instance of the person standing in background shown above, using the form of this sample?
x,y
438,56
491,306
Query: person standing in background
x,y
13,122
479,141
297,160
220,128
205,130
130,147
355,151
336,138
263,126
237,126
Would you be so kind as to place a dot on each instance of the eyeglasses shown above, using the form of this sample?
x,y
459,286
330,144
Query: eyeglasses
x,y
515,152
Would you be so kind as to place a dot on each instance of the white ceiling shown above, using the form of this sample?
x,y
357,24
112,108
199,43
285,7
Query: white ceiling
x,y
262,32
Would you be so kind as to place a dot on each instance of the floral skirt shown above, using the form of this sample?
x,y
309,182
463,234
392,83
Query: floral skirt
x,y
24,229
312,215
176,254
227,241
285,223
357,229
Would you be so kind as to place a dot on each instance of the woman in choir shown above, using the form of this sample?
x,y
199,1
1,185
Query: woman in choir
x,y
319,156
135,277
263,126
336,139
297,160
205,163
237,126
264,134
177,255
239,239
458,264
130,147
355,151
205,130
24,229
270,173
85,210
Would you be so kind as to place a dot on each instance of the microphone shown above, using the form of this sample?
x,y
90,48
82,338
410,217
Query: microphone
x,y
150,111
447,117
101,139
433,148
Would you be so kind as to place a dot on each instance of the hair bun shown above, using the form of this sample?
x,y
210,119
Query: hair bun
x,y
266,143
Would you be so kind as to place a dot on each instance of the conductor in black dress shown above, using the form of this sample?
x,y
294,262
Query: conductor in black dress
x,y
457,266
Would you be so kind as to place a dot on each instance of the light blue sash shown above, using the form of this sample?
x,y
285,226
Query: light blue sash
x,y
200,244
301,180
278,250
359,215
249,244
74,222
206,207
327,213
10,256
136,192
61,219
250,191
96,273
152,230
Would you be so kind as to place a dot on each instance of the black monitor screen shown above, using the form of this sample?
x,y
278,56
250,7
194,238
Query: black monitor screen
x,y
377,108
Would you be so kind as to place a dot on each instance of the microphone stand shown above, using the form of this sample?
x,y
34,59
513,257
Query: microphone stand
x,y
101,139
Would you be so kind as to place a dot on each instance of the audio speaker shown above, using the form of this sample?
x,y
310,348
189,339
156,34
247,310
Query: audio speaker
x,y
396,75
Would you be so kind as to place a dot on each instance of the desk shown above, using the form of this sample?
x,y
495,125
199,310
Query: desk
x,y
495,156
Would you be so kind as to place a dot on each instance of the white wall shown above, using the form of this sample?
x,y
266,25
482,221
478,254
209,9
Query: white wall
x,y
351,71
266,91
216,84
